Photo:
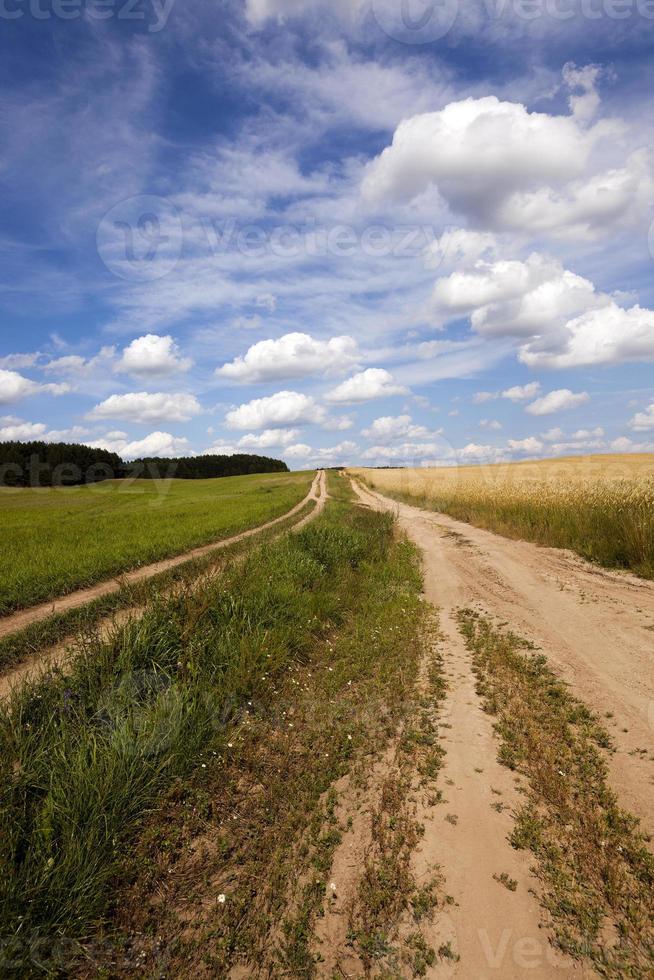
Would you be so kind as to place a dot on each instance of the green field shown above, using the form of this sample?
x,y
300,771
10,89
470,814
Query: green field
x,y
306,626
57,540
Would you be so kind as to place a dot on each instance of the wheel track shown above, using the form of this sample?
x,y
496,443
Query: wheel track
x,y
59,654
81,597
497,932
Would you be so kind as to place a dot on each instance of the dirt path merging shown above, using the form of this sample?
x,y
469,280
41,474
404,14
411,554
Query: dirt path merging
x,y
595,628
34,614
57,655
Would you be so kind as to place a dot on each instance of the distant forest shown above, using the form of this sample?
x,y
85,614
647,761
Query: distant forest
x,y
43,464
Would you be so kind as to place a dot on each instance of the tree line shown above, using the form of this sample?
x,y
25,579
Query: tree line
x,y
60,464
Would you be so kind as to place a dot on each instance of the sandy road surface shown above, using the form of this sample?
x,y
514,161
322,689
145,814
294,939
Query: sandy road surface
x,y
55,656
595,627
34,614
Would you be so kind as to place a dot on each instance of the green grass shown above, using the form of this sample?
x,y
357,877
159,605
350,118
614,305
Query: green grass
x,y
85,757
68,626
57,540
597,873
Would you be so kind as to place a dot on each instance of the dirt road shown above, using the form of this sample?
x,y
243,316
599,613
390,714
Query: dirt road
x,y
596,628
35,614
54,656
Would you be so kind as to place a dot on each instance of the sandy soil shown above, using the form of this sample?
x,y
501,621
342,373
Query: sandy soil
x,y
595,627
34,614
57,655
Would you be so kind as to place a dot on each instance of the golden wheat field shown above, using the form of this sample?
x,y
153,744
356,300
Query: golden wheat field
x,y
602,507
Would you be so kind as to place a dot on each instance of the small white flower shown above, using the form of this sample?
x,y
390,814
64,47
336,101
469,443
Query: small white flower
x,y
204,766
222,899
333,886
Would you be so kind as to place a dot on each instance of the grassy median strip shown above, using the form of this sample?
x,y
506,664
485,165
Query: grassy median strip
x,y
597,874
56,540
388,913
68,626
156,734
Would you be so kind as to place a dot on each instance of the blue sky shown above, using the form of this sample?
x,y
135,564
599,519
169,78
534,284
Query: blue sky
x,y
363,232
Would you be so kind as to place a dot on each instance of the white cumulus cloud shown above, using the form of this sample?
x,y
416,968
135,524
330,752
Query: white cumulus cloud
x,y
268,438
299,450
516,298
75,366
152,356
340,453
529,445
365,386
643,421
282,409
405,451
156,444
19,361
144,407
611,199
388,428
479,152
14,387
295,355
606,335
18,431
557,401
522,392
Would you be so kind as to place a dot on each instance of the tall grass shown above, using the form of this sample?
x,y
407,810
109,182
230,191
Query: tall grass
x,y
605,518
55,540
85,755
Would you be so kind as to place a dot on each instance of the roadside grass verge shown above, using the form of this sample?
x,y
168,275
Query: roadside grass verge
x,y
56,540
69,626
141,757
596,871
607,521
